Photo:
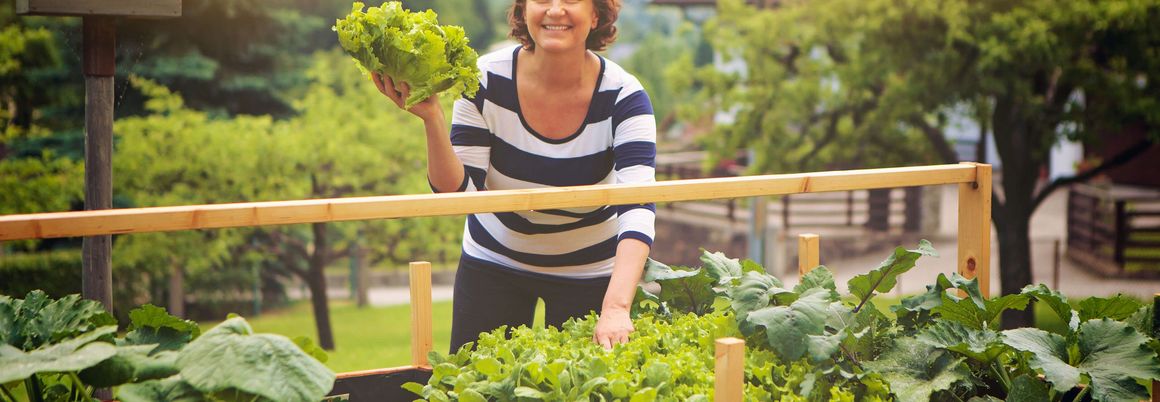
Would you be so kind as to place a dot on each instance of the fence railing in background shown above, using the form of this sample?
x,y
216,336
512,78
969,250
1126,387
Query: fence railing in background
x,y
879,209
1114,233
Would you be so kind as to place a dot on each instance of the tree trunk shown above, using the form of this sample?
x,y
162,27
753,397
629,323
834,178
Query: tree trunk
x,y
317,283
176,289
1015,262
1019,143
321,304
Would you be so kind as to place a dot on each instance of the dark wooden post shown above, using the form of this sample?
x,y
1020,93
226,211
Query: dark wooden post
x,y
99,45
913,203
878,207
1121,235
785,213
849,208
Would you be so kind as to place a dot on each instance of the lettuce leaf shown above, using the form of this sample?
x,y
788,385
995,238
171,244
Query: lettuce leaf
x,y
410,47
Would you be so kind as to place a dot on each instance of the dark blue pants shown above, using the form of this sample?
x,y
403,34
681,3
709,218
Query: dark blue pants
x,y
488,296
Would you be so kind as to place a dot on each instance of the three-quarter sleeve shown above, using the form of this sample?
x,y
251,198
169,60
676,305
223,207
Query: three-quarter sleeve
x,y
634,157
471,141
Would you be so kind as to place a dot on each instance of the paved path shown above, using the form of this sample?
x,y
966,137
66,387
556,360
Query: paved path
x,y
1047,225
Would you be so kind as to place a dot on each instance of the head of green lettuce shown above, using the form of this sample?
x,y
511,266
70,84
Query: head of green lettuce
x,y
410,47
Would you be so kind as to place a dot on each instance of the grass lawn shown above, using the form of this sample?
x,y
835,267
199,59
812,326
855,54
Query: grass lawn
x,y
366,338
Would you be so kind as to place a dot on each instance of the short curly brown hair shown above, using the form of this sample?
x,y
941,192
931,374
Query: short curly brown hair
x,y
598,39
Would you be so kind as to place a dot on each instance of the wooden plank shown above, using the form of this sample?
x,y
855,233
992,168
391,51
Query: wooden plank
x,y
130,8
422,338
974,259
379,371
160,219
729,373
808,257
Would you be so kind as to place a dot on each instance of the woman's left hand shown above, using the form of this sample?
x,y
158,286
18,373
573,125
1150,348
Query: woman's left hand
x,y
613,327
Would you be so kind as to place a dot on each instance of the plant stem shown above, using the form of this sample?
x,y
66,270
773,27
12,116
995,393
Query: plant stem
x,y
8,394
32,387
77,383
1003,378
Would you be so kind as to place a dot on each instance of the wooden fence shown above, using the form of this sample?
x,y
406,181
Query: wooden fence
x,y
974,245
1114,234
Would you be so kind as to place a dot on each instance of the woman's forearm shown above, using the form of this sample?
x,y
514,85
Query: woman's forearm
x,y
627,268
443,167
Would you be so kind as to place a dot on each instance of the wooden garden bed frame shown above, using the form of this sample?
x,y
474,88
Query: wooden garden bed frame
x,y
974,229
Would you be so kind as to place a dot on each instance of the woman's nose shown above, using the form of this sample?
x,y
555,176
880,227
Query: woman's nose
x,y
556,8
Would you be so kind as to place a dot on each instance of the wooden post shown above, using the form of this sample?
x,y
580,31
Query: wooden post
x,y
975,228
1120,238
99,45
421,335
729,373
808,257
1055,265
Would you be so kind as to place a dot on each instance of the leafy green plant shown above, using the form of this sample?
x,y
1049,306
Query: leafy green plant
x,y
809,343
411,47
59,350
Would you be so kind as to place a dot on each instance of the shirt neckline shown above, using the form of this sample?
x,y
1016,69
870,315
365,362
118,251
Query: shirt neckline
x,y
520,112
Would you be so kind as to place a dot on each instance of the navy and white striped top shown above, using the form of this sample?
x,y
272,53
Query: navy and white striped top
x,y
616,144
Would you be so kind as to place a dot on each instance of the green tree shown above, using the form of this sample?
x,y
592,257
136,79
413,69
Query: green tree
x,y
34,177
343,142
871,82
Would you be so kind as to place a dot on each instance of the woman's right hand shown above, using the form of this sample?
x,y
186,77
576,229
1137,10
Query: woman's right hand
x,y
427,110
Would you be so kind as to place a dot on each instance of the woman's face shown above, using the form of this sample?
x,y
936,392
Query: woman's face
x,y
559,25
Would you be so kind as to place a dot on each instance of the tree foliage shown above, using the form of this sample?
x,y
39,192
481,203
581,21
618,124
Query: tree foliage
x,y
855,83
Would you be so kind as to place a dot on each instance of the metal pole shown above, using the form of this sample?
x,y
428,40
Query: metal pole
x,y
99,45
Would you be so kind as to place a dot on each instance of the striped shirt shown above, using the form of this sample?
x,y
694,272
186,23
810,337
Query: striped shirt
x,y
616,144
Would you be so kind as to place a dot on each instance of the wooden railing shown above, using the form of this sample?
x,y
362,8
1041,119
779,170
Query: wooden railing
x,y
974,245
1108,232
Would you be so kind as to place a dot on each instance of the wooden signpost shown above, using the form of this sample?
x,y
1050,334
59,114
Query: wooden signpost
x,y
100,41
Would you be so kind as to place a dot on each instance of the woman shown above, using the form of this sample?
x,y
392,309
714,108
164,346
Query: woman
x,y
549,112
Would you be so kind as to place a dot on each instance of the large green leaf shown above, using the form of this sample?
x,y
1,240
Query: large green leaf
x,y
754,292
1117,307
172,389
153,325
885,277
230,356
70,355
1026,388
1111,353
798,328
1114,355
690,293
1048,355
982,345
39,320
1056,301
915,310
868,332
721,268
819,277
969,313
132,363
657,271
915,370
